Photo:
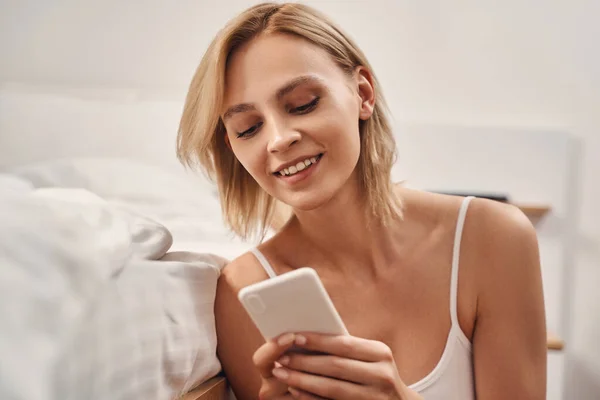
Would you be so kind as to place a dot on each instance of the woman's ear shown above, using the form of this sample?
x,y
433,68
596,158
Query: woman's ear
x,y
366,92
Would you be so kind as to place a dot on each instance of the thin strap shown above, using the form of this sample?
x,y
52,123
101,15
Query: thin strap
x,y
455,259
263,261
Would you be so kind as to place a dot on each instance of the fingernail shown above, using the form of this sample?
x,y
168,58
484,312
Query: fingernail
x,y
286,339
294,392
300,340
285,360
280,373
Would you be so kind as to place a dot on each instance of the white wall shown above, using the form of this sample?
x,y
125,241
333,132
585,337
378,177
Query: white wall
x,y
509,63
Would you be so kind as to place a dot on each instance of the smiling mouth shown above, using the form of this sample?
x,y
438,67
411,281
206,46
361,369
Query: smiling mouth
x,y
300,166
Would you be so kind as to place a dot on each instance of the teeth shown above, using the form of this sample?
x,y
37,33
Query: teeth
x,y
298,167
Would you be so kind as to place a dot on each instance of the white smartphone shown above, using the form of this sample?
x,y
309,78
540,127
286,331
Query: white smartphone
x,y
295,301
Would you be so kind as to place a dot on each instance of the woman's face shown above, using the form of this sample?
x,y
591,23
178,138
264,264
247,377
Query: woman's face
x,y
292,118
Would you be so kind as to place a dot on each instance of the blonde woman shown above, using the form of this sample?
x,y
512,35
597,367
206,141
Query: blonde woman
x,y
442,295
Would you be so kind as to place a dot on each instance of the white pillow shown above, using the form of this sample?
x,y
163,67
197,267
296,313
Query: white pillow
x,y
53,260
149,334
84,319
147,239
186,204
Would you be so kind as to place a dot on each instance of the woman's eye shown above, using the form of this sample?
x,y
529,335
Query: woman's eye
x,y
306,108
250,131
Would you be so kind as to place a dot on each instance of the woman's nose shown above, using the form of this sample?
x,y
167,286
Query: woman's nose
x,y
282,138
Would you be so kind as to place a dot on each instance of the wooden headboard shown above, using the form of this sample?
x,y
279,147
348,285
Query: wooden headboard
x,y
213,389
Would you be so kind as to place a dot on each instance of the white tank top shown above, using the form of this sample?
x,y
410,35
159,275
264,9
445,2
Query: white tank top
x,y
452,377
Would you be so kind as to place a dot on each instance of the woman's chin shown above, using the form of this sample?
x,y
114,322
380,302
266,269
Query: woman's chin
x,y
306,201
311,198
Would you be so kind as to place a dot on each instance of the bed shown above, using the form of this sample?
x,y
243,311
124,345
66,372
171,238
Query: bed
x,y
110,251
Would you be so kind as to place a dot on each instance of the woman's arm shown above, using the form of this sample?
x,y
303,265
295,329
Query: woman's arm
x,y
237,337
509,340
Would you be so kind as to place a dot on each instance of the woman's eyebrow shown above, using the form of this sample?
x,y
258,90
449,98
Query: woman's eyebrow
x,y
285,89
238,108
294,83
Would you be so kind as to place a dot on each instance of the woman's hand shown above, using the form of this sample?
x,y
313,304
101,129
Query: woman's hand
x,y
351,368
265,360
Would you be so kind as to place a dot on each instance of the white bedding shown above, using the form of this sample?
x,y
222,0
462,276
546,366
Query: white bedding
x,y
187,204
109,271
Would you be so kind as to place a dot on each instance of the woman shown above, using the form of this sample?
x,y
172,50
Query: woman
x,y
284,107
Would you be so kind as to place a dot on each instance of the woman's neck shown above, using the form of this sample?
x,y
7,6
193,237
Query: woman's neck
x,y
344,232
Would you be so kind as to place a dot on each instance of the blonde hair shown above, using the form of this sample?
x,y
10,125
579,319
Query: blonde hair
x,y
247,208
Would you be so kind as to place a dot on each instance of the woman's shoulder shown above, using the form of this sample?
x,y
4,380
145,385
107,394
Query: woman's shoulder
x,y
499,219
242,271
498,241
246,269
501,238
495,235
484,218
498,248
494,227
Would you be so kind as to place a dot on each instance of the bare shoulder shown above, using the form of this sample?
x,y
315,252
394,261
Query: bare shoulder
x,y
498,238
487,211
506,218
500,234
243,271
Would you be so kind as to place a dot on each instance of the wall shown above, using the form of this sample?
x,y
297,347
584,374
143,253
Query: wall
x,y
511,63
